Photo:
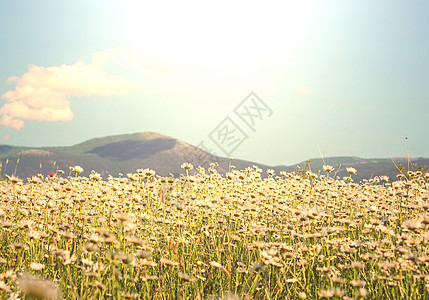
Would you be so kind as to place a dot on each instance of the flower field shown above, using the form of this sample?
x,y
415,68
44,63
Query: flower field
x,y
207,235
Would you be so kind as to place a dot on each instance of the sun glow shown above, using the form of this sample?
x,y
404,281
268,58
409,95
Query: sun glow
x,y
222,33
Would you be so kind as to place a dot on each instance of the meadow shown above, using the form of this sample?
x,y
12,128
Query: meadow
x,y
206,235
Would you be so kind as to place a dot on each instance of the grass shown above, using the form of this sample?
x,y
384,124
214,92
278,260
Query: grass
x,y
206,235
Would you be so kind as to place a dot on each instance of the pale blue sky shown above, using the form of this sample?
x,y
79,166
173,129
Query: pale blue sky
x,y
349,77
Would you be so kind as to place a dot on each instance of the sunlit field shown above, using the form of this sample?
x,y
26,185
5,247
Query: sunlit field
x,y
248,234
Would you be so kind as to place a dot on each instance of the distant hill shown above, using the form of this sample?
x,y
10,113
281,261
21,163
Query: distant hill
x,y
366,168
126,153
112,155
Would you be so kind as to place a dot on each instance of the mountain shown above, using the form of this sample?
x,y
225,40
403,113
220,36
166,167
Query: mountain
x,y
366,168
112,155
128,152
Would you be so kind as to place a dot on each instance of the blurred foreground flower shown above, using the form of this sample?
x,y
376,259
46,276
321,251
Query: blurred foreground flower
x,y
34,287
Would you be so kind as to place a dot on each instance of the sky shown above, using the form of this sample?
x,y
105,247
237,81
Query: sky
x,y
274,82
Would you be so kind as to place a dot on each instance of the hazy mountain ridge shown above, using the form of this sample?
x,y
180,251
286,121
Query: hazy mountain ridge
x,y
128,152
366,167
110,155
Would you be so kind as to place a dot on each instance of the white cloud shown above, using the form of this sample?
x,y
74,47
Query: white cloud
x,y
41,93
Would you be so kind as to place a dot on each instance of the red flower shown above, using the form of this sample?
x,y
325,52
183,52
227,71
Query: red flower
x,y
52,174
